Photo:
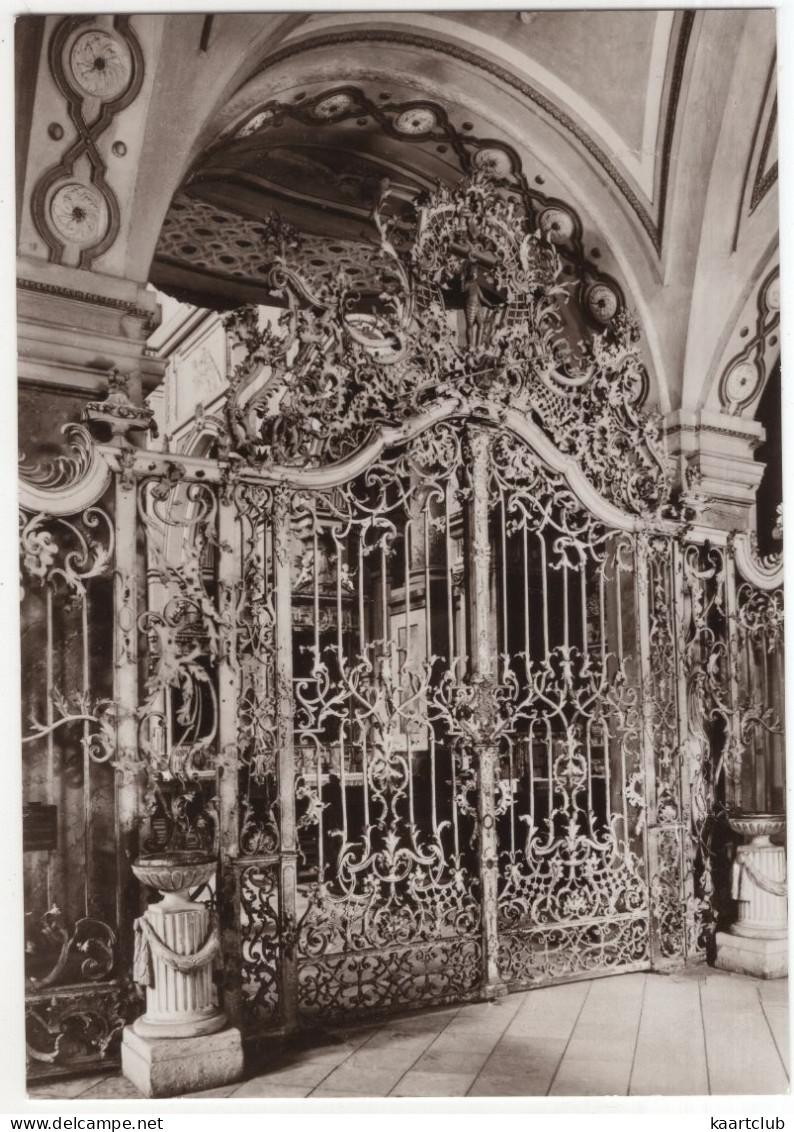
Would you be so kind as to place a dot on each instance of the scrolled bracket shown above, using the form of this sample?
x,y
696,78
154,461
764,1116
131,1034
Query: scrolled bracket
x,y
66,485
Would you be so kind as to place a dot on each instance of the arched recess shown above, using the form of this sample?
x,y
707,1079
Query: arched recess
x,y
608,234
188,97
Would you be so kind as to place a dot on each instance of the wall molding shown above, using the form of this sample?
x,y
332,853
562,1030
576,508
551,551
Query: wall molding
x,y
123,305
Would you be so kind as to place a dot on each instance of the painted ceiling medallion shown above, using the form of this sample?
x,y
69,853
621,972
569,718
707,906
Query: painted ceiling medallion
x,y
78,213
333,106
258,122
772,294
101,65
493,160
418,120
602,302
741,384
557,225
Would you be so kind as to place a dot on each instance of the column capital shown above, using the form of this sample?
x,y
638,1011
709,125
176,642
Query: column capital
x,y
714,455
75,326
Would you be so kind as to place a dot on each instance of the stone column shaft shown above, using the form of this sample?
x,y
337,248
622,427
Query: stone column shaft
x,y
176,996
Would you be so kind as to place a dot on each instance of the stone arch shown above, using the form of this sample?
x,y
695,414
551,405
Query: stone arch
x,y
569,170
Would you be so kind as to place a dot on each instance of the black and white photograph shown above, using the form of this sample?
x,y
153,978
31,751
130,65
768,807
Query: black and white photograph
x,y
400,535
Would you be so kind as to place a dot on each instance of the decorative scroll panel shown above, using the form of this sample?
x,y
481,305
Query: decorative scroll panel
x,y
74,1011
709,752
574,888
255,624
388,910
662,699
260,949
179,628
759,780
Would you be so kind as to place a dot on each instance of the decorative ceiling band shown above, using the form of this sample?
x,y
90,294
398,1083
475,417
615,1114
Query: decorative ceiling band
x,y
462,54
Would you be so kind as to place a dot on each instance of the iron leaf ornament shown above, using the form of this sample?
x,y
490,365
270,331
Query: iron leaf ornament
x,y
470,314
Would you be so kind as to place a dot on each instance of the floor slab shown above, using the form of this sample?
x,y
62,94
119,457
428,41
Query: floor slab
x,y
743,1057
690,1033
670,1058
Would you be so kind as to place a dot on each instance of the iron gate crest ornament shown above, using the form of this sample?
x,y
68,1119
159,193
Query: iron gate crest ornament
x,y
313,387
425,653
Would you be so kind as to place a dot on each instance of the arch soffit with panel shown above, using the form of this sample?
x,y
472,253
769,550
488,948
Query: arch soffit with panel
x,y
605,210
607,219
737,244
211,106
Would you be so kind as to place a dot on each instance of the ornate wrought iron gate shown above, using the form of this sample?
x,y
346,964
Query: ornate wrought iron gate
x,y
449,730
388,889
450,686
574,894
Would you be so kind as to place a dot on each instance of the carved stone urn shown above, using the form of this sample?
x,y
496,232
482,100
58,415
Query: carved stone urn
x,y
175,944
182,1042
757,943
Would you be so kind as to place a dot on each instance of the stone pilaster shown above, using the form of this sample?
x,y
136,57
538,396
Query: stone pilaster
x,y
714,453
75,328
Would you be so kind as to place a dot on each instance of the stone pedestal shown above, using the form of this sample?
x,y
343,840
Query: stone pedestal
x,y
763,958
179,1002
181,1043
170,1067
757,944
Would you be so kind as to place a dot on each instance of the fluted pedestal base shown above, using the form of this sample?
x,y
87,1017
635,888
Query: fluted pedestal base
x,y
763,958
179,1003
757,944
197,1026
170,1067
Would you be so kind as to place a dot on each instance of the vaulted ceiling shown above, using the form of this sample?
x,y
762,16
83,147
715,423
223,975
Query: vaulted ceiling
x,y
317,146
646,141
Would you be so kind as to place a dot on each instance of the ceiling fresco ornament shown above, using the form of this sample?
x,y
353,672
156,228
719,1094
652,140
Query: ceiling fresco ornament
x,y
557,224
745,374
78,213
603,302
652,220
291,151
99,71
100,64
416,120
469,319
335,106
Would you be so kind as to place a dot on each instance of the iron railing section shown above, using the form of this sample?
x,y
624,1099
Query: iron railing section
x,y
449,728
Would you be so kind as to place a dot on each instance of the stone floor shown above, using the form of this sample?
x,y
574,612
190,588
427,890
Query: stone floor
x,y
695,1033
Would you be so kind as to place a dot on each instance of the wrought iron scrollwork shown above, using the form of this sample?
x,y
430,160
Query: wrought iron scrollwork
x,y
57,954
426,652
260,942
74,1028
313,390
